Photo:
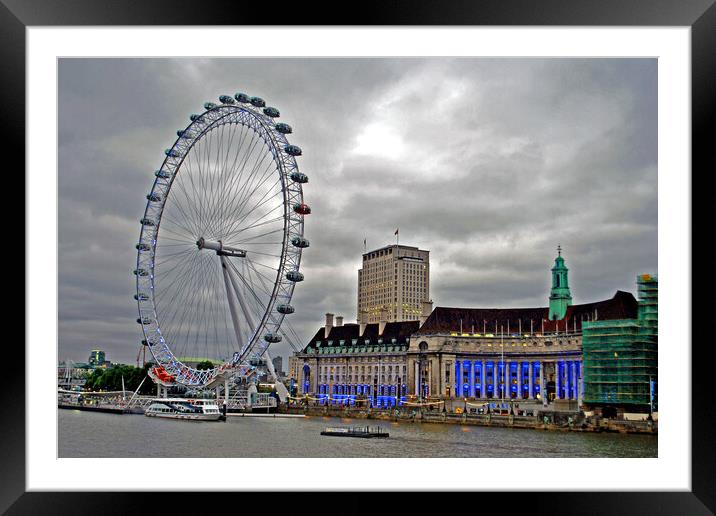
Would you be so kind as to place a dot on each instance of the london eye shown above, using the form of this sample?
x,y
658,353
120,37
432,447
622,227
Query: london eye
x,y
220,245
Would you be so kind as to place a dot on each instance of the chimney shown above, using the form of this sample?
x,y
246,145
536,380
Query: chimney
x,y
426,310
383,321
329,324
339,320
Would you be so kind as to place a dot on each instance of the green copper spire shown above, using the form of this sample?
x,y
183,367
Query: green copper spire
x,y
559,297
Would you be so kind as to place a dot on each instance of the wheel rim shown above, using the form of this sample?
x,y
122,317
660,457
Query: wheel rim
x,y
226,187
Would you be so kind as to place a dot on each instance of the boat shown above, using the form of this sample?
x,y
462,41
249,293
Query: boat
x,y
351,431
184,408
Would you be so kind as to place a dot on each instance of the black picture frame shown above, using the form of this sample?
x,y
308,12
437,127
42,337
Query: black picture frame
x,y
699,15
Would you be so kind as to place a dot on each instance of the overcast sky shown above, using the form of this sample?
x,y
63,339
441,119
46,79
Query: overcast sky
x,y
487,163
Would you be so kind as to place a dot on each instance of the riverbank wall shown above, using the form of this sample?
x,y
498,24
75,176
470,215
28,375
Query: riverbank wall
x,y
546,421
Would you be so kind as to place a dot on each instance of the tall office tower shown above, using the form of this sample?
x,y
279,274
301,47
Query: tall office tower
x,y
278,365
393,285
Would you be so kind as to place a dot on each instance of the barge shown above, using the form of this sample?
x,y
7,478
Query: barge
x,y
351,431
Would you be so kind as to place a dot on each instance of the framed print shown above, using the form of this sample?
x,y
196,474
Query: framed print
x,y
438,230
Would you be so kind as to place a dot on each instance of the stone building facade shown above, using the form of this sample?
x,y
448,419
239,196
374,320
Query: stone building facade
x,y
505,354
344,362
460,354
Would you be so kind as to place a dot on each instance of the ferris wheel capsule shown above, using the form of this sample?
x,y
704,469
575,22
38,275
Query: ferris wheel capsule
x,y
283,128
299,177
147,222
272,337
299,241
285,308
293,150
272,112
301,208
294,276
226,99
143,247
209,105
243,98
162,174
257,101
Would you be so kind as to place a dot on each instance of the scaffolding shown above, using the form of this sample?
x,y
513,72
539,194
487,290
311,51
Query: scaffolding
x,y
620,356
648,311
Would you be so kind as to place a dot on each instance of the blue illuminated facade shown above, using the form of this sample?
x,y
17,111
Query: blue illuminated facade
x,y
513,379
357,365
509,354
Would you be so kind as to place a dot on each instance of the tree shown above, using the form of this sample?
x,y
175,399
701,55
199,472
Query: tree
x,y
206,364
111,379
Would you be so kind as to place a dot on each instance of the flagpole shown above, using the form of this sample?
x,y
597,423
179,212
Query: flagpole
x,y
502,345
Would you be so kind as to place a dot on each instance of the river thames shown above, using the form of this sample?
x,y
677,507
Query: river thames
x,y
88,434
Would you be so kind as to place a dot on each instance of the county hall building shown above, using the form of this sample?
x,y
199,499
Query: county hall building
x,y
529,354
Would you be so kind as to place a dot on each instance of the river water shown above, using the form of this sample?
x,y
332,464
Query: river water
x,y
89,434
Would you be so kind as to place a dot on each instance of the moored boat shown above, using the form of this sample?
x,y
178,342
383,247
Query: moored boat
x,y
183,408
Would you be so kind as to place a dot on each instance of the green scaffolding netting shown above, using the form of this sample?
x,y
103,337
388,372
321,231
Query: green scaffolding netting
x,y
620,356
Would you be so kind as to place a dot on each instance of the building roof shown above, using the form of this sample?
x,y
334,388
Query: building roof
x,y
400,331
494,320
396,246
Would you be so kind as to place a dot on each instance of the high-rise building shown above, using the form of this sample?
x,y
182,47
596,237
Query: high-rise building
x,y
97,358
278,365
393,284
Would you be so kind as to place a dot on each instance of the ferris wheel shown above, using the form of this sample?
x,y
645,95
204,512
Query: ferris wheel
x,y
221,239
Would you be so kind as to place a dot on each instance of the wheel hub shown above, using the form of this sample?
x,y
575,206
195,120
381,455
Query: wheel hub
x,y
220,248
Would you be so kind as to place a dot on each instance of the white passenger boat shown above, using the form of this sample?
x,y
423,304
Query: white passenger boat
x,y
183,408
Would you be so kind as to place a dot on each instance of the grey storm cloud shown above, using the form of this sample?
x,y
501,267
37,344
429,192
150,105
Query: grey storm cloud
x,y
488,163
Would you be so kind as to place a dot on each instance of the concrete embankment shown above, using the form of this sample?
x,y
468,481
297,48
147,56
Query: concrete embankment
x,y
555,421
110,409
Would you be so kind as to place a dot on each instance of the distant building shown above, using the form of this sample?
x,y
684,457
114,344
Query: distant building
x,y
72,375
97,359
278,366
393,284
294,366
620,357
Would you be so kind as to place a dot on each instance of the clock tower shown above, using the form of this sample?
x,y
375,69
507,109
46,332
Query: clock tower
x,y
559,297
